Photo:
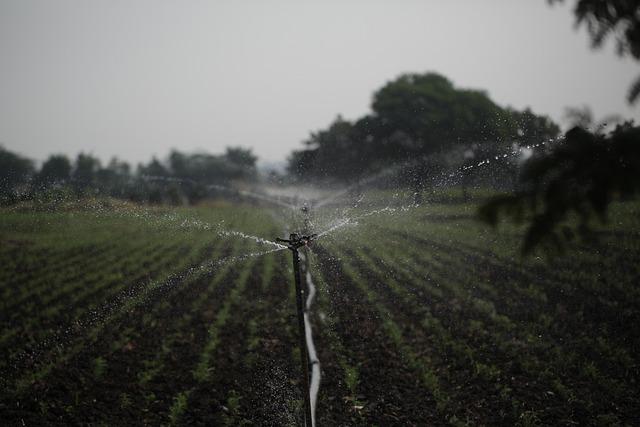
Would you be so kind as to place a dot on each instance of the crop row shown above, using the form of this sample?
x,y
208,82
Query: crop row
x,y
150,329
431,296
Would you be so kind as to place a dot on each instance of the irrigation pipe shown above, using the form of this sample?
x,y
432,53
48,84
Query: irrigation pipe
x,y
311,348
294,243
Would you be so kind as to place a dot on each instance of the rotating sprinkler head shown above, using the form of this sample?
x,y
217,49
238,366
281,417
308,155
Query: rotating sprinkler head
x,y
296,241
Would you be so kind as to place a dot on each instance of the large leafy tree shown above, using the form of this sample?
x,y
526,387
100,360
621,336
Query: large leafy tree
x,y
433,114
335,151
415,116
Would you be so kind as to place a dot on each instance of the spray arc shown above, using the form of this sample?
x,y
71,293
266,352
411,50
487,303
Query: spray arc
x,y
294,243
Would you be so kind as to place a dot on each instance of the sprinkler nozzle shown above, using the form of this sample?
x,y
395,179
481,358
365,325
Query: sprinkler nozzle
x,y
297,241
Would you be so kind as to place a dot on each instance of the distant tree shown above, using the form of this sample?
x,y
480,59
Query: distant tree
x,y
119,167
300,163
114,179
337,151
155,168
576,179
150,190
55,170
208,169
178,164
183,177
241,156
196,172
619,19
15,172
240,163
532,128
236,163
84,172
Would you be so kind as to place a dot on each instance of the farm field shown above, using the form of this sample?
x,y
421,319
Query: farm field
x,y
115,314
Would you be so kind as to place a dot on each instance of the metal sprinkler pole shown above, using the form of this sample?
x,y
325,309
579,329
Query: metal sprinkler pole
x,y
294,243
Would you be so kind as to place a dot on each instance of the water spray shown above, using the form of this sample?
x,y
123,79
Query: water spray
x,y
295,242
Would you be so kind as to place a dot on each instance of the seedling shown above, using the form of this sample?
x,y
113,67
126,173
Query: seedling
x,y
295,242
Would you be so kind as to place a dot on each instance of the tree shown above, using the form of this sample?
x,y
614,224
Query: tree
x,y
114,179
15,172
241,156
154,169
178,164
433,114
55,170
240,163
84,172
578,177
415,117
300,163
532,128
619,19
203,168
336,150
196,172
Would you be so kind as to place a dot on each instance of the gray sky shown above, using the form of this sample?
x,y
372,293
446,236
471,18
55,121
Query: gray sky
x,y
136,78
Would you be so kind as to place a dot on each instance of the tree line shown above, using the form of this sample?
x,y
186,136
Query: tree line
x,y
180,178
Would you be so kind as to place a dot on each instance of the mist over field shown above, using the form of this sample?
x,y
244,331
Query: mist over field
x,y
319,214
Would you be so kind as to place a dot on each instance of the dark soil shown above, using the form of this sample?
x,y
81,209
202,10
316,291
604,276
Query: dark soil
x,y
389,392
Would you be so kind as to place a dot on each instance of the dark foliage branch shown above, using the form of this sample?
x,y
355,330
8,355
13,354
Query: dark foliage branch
x,y
619,19
578,177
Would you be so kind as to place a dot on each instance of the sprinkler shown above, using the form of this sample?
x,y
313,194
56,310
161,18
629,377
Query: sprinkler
x,y
295,242
306,211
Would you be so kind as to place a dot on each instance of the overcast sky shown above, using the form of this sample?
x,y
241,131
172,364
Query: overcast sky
x,y
137,78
